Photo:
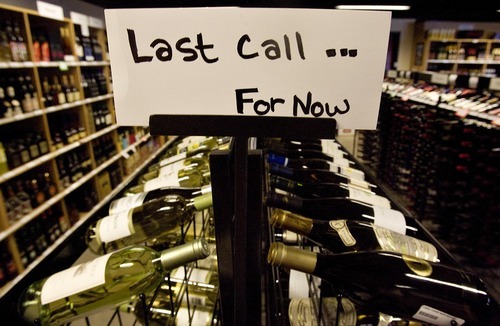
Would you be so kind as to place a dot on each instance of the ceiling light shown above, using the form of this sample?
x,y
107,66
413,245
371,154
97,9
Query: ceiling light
x,y
372,7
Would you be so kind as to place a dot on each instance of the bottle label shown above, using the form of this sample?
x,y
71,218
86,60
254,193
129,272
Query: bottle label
x,y
359,183
345,235
341,161
301,312
200,317
368,197
436,317
163,181
171,168
74,280
127,203
390,219
114,227
352,173
197,275
173,159
403,244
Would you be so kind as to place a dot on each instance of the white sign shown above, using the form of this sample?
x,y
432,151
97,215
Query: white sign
x,y
248,62
49,10
96,22
82,20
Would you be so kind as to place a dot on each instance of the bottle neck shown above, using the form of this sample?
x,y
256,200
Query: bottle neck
x,y
291,257
292,222
183,254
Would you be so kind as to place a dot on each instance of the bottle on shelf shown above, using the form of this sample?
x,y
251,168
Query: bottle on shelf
x,y
317,176
141,223
318,191
4,165
105,282
5,53
398,285
129,202
343,235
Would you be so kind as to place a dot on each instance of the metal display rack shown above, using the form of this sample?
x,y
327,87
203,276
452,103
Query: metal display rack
x,y
237,189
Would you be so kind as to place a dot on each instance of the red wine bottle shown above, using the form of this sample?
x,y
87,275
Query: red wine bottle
x,y
398,285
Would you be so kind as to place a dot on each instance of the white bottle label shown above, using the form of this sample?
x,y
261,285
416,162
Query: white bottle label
x,y
197,275
127,203
369,198
163,181
341,161
171,168
172,159
436,317
114,227
390,219
359,183
200,317
345,235
403,244
353,173
74,280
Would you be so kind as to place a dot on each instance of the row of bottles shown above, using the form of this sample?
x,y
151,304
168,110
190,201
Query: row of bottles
x,y
66,129
73,165
153,235
12,42
38,234
27,192
17,95
94,83
101,116
445,169
20,150
59,89
104,148
358,239
50,44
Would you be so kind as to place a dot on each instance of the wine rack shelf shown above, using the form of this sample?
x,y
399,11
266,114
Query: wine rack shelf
x,y
84,82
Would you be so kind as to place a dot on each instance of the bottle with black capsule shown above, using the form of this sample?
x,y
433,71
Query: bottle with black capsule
x,y
328,190
317,176
398,285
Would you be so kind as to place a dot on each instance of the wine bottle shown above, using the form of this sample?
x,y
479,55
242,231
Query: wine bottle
x,y
316,176
310,153
398,285
141,223
328,190
316,163
195,178
128,202
202,285
104,282
348,235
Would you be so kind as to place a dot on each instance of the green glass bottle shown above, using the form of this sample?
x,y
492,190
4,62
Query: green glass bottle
x,y
103,283
136,225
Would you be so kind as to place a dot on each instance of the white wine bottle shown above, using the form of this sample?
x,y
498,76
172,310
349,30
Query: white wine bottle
x,y
136,225
202,285
398,285
183,178
103,283
128,202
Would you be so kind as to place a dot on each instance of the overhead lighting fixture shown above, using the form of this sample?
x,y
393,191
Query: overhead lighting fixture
x,y
372,7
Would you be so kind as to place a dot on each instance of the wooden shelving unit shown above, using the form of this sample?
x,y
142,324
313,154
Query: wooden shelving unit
x,y
122,159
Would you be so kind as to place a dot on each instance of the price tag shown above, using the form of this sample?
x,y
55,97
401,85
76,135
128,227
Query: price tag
x,y
440,79
49,10
96,22
82,20
495,84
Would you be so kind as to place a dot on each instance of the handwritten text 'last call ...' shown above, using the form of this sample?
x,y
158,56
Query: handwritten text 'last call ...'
x,y
192,50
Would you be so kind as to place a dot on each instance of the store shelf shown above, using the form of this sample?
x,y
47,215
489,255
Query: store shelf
x,y
83,218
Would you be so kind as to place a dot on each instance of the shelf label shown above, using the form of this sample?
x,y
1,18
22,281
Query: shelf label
x,y
49,10
495,84
96,22
440,79
265,62
82,20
